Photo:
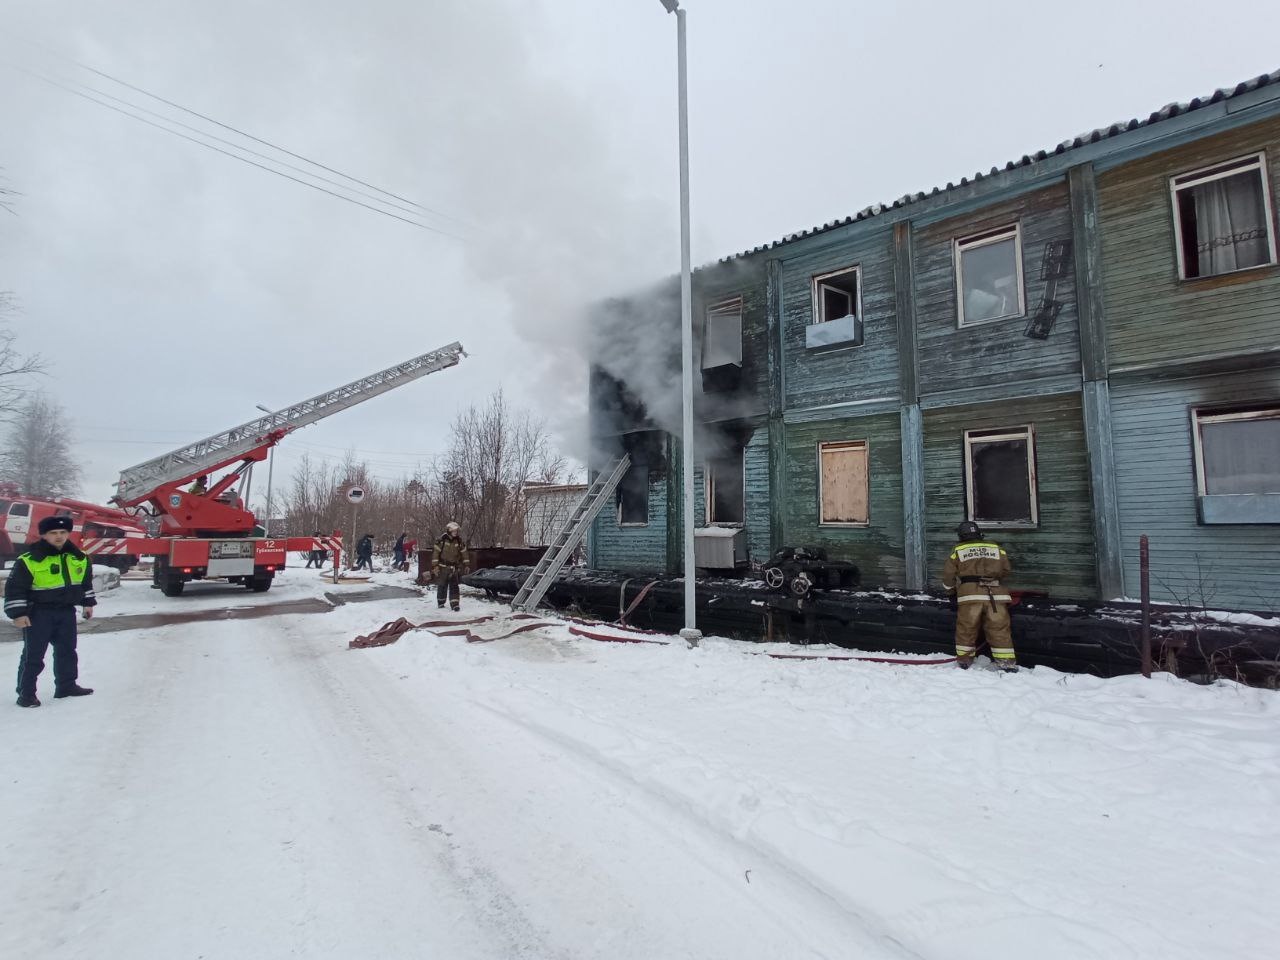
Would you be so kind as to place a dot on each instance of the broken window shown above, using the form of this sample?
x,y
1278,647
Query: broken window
x,y
837,309
722,335
843,482
1238,452
1222,218
989,276
726,488
632,492
1000,477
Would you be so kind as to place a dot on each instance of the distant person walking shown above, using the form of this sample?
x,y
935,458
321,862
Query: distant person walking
x,y
317,558
972,576
398,552
364,553
44,588
449,562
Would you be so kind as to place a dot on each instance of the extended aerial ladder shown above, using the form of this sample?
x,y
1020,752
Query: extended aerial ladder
x,y
206,531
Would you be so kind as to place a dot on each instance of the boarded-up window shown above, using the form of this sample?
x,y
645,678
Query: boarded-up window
x,y
843,482
726,495
1000,474
1239,452
722,335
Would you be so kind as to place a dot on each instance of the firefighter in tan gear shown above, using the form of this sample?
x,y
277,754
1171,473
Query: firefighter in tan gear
x,y
972,576
449,561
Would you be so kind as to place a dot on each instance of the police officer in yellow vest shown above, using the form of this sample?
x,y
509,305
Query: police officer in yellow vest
x,y
972,576
45,586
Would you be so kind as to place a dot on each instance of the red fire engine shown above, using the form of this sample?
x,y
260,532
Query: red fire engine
x,y
205,532
92,526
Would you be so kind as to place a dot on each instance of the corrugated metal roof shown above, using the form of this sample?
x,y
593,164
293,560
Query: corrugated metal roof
x,y
1102,133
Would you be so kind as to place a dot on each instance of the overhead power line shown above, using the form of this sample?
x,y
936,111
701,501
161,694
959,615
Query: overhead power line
x,y
236,156
252,153
265,143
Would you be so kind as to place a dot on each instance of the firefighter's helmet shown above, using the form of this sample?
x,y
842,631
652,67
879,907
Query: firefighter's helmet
x,y
452,527
968,530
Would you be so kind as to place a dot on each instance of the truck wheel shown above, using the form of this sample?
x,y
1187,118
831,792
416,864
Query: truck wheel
x,y
259,584
172,587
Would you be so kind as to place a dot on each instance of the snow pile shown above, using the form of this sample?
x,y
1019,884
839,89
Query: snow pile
x,y
254,788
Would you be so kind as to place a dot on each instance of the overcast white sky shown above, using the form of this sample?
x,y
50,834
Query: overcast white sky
x,y
174,288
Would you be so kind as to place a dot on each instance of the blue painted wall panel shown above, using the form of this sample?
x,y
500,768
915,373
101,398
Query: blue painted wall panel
x,y
1234,566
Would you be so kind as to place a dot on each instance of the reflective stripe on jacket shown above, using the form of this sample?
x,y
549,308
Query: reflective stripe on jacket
x,y
451,552
47,577
974,571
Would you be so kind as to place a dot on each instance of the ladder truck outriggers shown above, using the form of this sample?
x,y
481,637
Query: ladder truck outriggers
x,y
207,533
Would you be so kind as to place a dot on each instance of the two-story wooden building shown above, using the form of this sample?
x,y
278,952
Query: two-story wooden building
x,y
1074,350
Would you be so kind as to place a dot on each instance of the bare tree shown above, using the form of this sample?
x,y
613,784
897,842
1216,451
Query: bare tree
x,y
15,367
37,456
493,452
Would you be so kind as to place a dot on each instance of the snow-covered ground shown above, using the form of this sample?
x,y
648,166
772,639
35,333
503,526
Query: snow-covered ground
x,y
252,788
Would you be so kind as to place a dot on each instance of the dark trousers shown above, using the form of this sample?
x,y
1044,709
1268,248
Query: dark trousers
x,y
50,627
363,563
447,582
317,558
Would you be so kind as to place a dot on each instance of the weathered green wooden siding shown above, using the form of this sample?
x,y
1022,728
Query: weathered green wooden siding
x,y
1152,316
633,548
1234,565
878,548
757,492
954,359
844,374
1057,556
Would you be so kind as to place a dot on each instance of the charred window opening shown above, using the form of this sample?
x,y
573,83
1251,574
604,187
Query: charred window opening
x,y
645,450
1000,475
722,346
726,487
1222,218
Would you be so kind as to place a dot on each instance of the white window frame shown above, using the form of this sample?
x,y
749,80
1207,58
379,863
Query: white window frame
x,y
1199,417
816,290
986,238
709,491
1220,171
844,444
720,307
1025,432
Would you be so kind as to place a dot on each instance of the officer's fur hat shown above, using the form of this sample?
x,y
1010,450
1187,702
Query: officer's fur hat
x,y
55,523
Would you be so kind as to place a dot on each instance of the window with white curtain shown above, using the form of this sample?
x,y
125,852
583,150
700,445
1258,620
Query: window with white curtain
x,y
1238,452
1222,218
989,276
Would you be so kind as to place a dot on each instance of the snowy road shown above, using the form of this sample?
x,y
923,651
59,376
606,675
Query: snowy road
x,y
252,788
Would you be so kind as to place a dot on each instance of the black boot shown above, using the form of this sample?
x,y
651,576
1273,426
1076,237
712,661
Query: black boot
x,y
28,700
75,690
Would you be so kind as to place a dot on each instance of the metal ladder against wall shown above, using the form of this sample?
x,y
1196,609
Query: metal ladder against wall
x,y
569,536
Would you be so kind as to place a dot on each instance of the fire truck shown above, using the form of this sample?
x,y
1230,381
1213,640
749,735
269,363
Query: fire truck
x,y
195,495
92,525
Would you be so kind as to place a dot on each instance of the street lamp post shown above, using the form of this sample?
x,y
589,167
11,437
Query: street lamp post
x,y
271,469
690,633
